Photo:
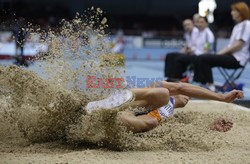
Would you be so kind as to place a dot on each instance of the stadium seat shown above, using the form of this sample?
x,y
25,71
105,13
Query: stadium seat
x,y
231,77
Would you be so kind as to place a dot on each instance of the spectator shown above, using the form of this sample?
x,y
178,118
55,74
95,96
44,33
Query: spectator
x,y
20,36
235,55
196,19
119,45
202,39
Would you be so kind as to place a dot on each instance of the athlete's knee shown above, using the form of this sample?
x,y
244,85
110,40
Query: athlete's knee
x,y
163,96
159,95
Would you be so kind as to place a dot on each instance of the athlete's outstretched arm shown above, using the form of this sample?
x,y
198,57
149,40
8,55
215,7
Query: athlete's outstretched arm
x,y
199,92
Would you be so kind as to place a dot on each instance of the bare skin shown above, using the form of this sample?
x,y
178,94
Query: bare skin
x,y
201,93
157,97
144,122
154,98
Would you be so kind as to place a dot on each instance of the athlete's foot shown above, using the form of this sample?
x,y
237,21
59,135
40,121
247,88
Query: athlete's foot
x,y
180,101
231,96
118,98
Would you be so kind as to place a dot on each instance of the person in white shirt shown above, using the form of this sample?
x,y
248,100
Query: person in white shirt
x,y
198,41
119,45
196,17
234,56
205,39
190,36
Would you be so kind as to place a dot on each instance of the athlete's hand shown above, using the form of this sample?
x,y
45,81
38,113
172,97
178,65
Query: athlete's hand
x,y
234,94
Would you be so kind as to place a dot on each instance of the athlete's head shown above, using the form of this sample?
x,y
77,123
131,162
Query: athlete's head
x,y
188,25
240,11
202,23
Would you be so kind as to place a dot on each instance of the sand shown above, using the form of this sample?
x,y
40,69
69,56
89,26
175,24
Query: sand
x,y
42,122
229,147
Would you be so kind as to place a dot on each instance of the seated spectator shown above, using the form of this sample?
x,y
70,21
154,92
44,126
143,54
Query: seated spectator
x,y
196,19
197,42
235,55
119,45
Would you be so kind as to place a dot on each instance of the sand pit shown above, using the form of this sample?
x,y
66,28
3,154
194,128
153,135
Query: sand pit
x,y
41,120
229,147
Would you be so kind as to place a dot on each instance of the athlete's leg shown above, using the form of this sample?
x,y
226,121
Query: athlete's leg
x,y
199,92
152,98
148,121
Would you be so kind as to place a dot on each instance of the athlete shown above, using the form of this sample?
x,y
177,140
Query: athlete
x,y
161,100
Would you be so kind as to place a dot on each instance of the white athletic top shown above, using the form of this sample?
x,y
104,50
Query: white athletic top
x,y
190,38
241,31
205,39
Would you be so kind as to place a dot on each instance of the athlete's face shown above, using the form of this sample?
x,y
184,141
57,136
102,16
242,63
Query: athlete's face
x,y
236,15
202,24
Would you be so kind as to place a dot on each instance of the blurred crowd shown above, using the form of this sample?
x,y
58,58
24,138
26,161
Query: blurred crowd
x,y
200,37
49,15
200,51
